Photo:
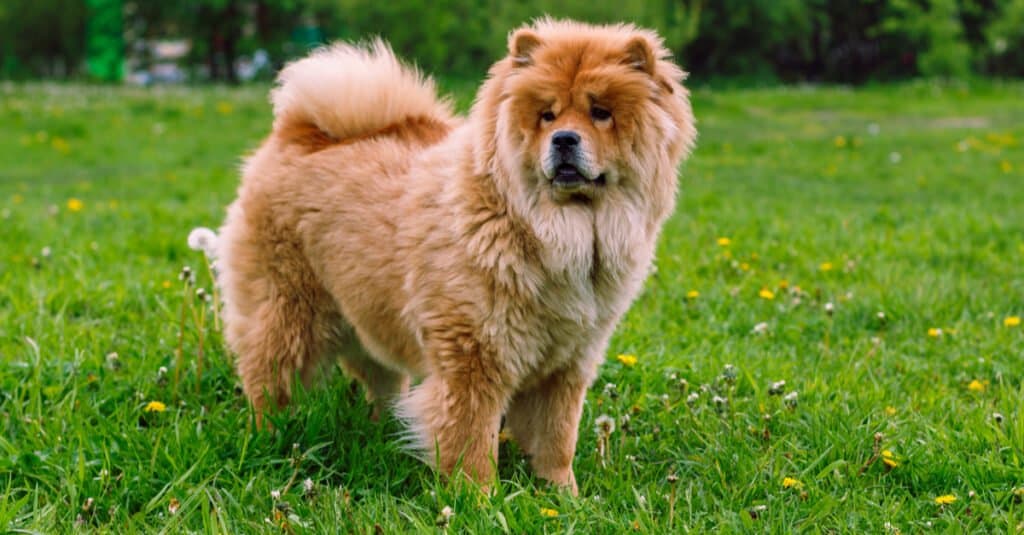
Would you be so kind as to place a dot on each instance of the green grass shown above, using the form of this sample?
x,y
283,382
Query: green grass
x,y
913,194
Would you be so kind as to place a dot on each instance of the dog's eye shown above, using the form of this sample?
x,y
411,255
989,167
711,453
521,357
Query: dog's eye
x,y
547,116
598,113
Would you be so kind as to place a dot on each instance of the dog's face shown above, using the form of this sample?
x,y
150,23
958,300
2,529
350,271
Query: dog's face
x,y
588,109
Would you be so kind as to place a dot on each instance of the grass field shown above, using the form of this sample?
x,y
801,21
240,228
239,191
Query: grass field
x,y
866,247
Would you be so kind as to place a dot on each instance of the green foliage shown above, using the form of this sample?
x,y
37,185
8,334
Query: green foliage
x,y
1004,39
104,42
936,32
911,194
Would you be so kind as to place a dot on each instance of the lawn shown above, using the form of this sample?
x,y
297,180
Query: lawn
x,y
864,246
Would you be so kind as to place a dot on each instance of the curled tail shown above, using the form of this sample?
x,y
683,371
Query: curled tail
x,y
346,91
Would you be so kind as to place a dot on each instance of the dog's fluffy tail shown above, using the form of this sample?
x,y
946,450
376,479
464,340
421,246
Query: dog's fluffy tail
x,y
347,91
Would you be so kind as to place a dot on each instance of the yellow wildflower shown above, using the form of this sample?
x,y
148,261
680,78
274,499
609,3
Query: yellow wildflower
x,y
224,108
765,293
166,284
825,266
887,454
890,410
839,142
977,386
550,513
724,242
628,360
890,462
1005,166
790,482
945,499
75,205
17,198
60,145
783,284
1011,321
692,294
745,266
935,332
155,406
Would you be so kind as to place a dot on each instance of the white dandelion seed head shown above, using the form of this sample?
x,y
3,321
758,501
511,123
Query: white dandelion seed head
x,y
161,371
275,494
760,508
605,424
829,307
760,328
719,400
46,252
205,240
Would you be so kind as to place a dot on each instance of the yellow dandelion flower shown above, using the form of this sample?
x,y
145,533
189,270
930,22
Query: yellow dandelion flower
x,y
75,205
765,293
745,266
890,462
692,294
1011,321
945,499
628,360
839,142
166,284
724,242
17,198
826,266
549,513
155,406
890,410
224,108
791,482
783,284
977,386
60,145
935,332
1005,166
887,454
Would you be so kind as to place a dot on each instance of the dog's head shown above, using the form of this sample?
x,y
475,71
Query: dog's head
x,y
575,110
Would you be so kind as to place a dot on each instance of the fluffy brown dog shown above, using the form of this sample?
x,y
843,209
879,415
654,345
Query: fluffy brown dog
x,y
490,257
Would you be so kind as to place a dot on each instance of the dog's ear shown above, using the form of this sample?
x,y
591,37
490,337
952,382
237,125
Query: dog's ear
x,y
521,46
640,54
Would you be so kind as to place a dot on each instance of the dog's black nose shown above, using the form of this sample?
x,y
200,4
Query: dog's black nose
x,y
564,139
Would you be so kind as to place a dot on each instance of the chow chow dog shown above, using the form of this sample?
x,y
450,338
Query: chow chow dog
x,y
464,269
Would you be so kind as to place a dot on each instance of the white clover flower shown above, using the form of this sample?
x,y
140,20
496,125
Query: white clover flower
x,y
205,240
307,486
776,388
829,308
275,494
447,512
692,398
790,399
46,252
760,328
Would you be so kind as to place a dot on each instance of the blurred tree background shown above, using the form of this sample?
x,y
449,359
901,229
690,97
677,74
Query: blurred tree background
x,y
847,41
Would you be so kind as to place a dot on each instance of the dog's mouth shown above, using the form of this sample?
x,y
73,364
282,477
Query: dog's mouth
x,y
568,178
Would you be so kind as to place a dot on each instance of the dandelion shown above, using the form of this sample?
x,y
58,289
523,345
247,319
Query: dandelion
x,y
692,398
729,373
307,486
692,294
155,406
724,242
627,360
1005,166
945,499
444,517
977,386
790,483
760,328
611,390
998,417
839,142
605,426
113,361
756,511
548,513
766,294
173,506
934,332
783,284
75,205
720,402
275,495
224,108
1011,321
829,308
889,460
205,240
46,252
186,276
826,266
790,399
776,388
672,480
166,284
890,411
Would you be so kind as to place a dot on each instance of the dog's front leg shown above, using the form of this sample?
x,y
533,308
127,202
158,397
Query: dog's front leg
x,y
454,418
544,420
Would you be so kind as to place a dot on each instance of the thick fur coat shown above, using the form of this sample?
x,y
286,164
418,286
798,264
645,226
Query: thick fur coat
x,y
486,259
